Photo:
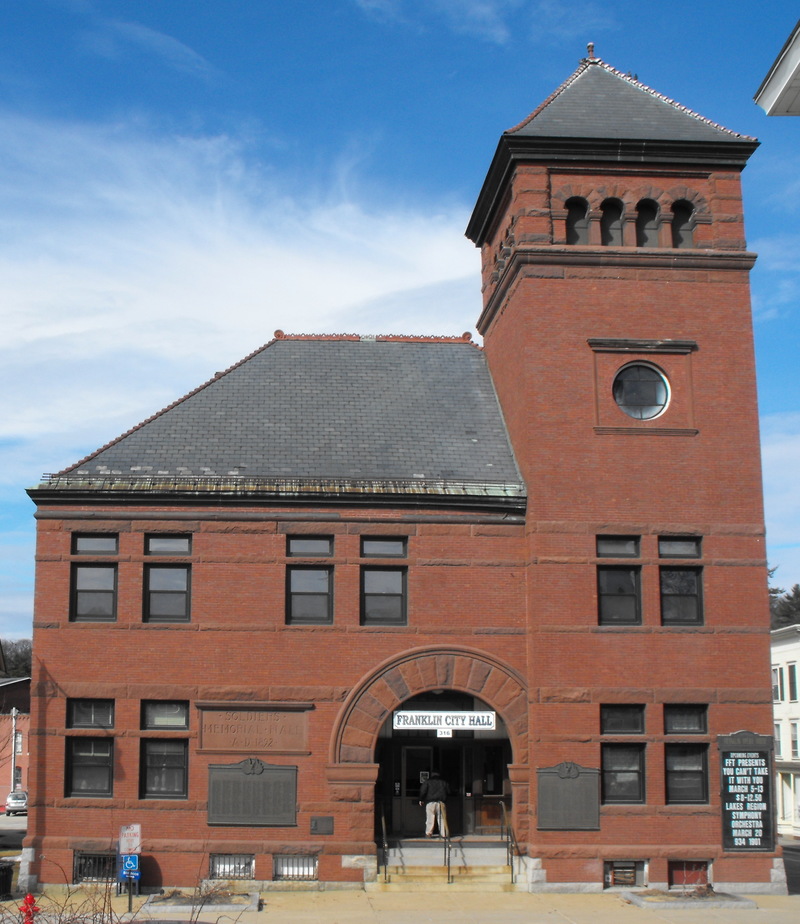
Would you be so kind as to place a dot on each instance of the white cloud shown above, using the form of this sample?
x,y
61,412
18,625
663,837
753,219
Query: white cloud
x,y
134,266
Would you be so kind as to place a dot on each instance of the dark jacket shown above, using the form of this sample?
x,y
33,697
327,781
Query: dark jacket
x,y
434,789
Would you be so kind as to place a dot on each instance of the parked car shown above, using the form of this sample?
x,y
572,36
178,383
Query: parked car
x,y
17,803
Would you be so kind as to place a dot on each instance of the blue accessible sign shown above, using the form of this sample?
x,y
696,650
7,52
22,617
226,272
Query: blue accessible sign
x,y
130,863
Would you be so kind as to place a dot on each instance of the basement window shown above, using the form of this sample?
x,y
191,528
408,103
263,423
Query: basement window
x,y
623,874
297,868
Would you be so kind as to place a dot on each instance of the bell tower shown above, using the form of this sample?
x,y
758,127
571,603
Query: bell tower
x,y
617,328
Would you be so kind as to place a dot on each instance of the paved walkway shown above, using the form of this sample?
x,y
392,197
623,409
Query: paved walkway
x,y
358,907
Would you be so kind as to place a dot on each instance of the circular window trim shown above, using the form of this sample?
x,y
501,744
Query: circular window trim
x,y
662,406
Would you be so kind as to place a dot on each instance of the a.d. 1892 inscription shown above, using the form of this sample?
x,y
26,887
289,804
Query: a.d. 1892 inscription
x,y
253,729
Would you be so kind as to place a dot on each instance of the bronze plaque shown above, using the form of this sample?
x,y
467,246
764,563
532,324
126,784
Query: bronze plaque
x,y
253,729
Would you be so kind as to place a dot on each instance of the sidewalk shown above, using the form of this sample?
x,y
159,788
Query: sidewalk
x,y
358,907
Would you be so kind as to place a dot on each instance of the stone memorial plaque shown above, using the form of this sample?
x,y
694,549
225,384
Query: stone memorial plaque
x,y
252,793
569,798
747,805
273,728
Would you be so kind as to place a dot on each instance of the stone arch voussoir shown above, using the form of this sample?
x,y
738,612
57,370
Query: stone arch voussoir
x,y
372,701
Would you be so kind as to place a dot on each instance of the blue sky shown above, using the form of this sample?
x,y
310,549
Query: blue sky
x,y
178,179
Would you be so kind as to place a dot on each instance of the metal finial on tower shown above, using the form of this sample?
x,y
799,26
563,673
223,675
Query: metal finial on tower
x,y
590,49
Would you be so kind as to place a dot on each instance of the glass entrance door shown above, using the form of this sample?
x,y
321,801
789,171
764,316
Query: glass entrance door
x,y
416,764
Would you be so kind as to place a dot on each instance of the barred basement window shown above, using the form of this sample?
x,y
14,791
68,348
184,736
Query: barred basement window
x,y
626,873
296,868
93,867
232,866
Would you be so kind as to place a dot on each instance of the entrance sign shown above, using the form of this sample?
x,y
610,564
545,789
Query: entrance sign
x,y
747,811
130,839
452,721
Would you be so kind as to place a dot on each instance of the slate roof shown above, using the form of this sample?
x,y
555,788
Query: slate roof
x,y
598,101
402,415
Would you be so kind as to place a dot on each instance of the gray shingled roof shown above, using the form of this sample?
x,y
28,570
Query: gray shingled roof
x,y
328,409
598,101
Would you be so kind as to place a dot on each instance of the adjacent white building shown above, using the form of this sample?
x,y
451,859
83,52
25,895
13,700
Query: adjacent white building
x,y
785,661
779,93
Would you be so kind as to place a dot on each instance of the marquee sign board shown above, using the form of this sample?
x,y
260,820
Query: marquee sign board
x,y
452,721
747,809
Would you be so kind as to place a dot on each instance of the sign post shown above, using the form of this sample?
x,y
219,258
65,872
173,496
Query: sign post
x,y
130,846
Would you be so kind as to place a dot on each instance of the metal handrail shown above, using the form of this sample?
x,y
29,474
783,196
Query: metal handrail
x,y
385,846
512,847
445,832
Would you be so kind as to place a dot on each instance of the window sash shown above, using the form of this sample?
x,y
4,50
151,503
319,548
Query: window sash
x,y
95,543
309,597
623,773
90,713
372,547
791,670
167,593
619,596
165,714
685,719
621,719
309,546
686,776
681,596
383,596
164,773
94,593
167,545
618,546
90,767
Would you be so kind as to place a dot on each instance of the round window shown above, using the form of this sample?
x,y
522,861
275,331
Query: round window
x,y
641,391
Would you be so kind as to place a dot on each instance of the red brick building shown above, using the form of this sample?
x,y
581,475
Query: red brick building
x,y
265,614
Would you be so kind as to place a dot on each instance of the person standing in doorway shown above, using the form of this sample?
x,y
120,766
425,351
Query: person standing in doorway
x,y
432,795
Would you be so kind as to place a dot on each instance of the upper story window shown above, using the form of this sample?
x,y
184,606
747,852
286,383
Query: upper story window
x,y
685,719
682,224
309,546
167,596
89,769
90,713
383,596
679,546
159,544
622,719
168,714
778,689
577,220
647,223
681,596
686,773
309,595
791,670
383,548
95,543
640,391
618,546
611,223
93,594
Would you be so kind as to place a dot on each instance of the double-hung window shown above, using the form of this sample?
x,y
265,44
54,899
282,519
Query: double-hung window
x,y
384,587
681,586
686,767
89,769
164,769
309,587
623,773
167,593
618,586
94,593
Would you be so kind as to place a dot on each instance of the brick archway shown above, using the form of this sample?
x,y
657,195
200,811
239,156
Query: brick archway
x,y
398,679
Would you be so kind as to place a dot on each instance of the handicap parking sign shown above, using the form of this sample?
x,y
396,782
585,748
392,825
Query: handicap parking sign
x,y
130,863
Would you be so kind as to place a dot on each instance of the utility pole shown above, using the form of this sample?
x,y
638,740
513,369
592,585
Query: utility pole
x,y
14,714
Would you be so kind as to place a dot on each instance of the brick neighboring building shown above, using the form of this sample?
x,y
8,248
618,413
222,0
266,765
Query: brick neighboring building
x,y
562,530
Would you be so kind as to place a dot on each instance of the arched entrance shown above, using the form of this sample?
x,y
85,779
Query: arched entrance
x,y
472,760
462,674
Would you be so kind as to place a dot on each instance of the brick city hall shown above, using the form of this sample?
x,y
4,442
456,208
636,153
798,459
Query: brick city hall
x,y
537,567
